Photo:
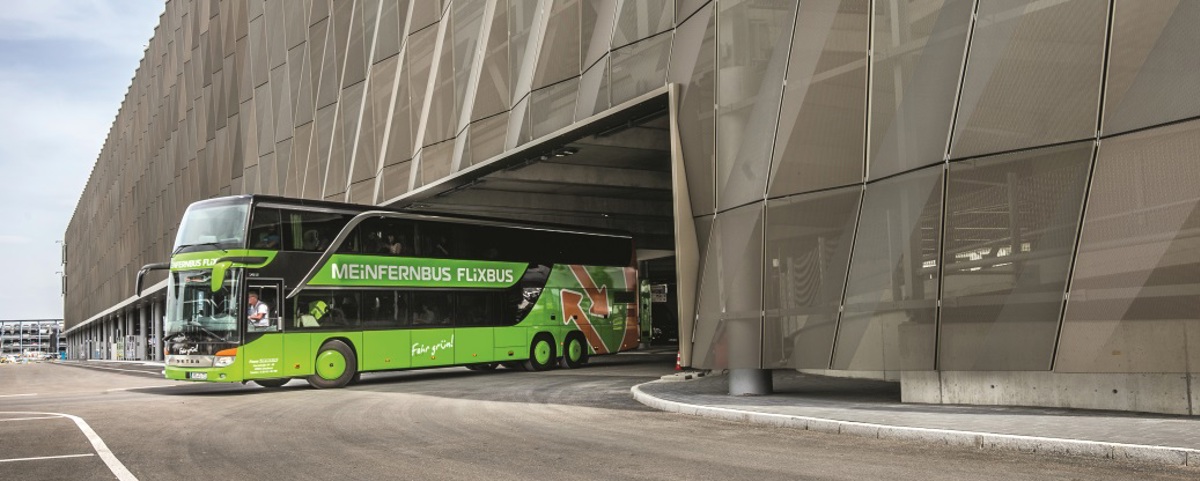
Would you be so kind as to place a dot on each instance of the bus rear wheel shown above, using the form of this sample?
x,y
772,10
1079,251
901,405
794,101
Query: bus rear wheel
x,y
541,354
335,366
271,383
574,352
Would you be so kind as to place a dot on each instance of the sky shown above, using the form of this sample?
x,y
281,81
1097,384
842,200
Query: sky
x,y
65,66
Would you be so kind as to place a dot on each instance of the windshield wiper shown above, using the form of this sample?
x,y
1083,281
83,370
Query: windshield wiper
x,y
185,246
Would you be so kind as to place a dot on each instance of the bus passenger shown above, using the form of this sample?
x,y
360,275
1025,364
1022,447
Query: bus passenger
x,y
393,245
268,239
257,312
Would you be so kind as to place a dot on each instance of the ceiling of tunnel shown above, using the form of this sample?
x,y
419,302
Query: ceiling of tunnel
x,y
617,179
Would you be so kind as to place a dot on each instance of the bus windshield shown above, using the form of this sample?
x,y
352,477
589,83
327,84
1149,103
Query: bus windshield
x,y
198,317
222,226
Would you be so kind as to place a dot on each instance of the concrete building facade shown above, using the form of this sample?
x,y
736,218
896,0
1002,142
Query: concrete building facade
x,y
992,201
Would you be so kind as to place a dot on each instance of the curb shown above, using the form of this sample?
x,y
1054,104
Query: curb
x,y
948,437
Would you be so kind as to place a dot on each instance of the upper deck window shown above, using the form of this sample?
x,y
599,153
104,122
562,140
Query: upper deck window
x,y
220,225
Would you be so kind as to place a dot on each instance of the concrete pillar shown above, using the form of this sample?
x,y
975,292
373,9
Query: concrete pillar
x,y
750,382
143,336
157,319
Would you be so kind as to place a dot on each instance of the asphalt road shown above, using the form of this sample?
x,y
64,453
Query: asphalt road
x,y
445,424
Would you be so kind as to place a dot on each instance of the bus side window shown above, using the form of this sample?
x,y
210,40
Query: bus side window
x,y
264,230
381,309
432,308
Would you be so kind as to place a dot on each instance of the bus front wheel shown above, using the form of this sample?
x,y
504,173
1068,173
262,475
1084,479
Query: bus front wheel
x,y
335,365
541,354
574,352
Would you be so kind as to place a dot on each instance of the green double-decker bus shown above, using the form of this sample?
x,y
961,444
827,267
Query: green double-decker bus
x,y
343,289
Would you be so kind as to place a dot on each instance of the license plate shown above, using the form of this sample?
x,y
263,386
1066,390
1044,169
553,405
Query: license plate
x,y
198,375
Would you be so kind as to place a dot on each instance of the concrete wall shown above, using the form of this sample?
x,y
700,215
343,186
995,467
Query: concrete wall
x,y
1155,393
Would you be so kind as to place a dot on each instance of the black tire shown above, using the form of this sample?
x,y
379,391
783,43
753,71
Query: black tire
x,y
576,344
490,366
541,348
327,361
271,383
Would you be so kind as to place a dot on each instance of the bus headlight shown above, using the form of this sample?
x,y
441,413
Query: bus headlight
x,y
225,357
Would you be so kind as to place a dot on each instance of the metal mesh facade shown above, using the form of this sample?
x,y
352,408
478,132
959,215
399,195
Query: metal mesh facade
x,y
875,185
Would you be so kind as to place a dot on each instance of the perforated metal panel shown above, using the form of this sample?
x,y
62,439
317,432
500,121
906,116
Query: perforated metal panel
x,y
1133,303
807,241
1011,222
1033,76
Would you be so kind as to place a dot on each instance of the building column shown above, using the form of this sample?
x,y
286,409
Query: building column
x,y
157,319
143,316
750,382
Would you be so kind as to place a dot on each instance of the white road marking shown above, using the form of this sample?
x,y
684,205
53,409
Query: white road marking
x,y
139,371
47,457
141,387
29,419
119,470
18,395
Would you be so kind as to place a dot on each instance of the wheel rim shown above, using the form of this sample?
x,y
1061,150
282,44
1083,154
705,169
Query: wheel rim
x,y
574,350
331,365
541,352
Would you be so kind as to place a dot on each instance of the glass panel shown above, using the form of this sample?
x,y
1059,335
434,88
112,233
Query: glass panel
x,y
559,58
263,118
300,80
640,19
740,274
425,13
400,130
1033,76
280,89
1133,304
487,138
640,68
891,293
520,20
468,19
709,349
593,91
420,59
435,162
493,96
393,180
1010,229
553,107
808,240
1152,77
347,20
752,57
391,28
918,58
323,61
324,138
442,117
693,66
684,8
595,28
379,98
359,123
820,139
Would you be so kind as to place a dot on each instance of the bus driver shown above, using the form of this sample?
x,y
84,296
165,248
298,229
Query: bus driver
x,y
257,312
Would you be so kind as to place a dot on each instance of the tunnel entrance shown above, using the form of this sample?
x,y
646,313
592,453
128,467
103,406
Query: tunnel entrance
x,y
611,171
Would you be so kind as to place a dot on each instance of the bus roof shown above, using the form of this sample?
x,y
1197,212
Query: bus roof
x,y
255,199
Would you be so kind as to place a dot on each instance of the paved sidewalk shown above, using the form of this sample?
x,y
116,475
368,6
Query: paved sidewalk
x,y
873,409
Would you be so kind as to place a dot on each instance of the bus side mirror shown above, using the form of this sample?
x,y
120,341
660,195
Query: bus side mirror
x,y
137,285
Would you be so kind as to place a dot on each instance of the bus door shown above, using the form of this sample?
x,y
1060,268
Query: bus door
x,y
262,352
